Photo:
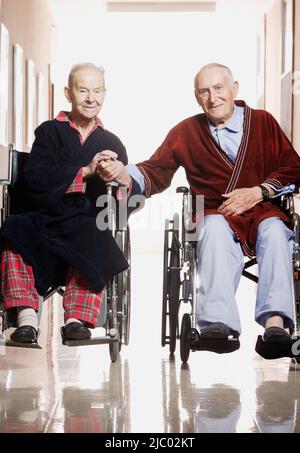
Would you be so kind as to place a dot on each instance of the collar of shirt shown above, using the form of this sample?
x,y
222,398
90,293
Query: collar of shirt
x,y
235,123
65,116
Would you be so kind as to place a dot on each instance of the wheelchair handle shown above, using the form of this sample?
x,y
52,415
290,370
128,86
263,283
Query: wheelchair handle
x,y
182,189
112,184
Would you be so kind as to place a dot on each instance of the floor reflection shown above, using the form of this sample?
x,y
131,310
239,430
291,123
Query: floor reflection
x,y
100,410
278,405
193,409
20,410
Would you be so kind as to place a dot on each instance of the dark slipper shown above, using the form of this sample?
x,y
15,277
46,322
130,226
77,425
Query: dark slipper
x,y
76,331
277,335
215,331
24,334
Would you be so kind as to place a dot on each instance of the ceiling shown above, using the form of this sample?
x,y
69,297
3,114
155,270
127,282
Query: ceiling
x,y
84,8
159,5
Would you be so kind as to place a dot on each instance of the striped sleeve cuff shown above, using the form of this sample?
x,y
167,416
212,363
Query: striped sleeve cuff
x,y
147,181
273,183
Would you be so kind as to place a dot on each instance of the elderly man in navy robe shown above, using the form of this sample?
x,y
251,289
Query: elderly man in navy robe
x,y
57,241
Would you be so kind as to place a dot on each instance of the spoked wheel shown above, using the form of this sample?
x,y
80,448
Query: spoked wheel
x,y
123,288
165,284
296,265
184,338
171,284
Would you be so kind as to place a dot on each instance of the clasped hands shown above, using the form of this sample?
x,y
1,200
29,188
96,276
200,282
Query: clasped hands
x,y
105,163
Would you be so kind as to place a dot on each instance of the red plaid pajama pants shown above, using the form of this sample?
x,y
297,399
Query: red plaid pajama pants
x,y
18,289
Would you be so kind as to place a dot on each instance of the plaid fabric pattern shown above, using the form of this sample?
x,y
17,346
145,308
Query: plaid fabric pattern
x,y
18,289
78,185
64,116
80,301
17,281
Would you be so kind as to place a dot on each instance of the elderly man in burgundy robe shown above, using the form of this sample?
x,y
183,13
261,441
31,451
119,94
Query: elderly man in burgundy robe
x,y
238,158
57,241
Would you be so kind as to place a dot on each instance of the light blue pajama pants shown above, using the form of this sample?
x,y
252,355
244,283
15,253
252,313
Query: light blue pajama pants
x,y
220,266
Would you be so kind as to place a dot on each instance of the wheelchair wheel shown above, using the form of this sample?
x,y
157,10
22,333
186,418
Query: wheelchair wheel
x,y
165,285
114,349
123,288
171,284
3,321
114,346
184,338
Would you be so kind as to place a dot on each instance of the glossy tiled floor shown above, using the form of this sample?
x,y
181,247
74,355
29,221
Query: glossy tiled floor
x,y
61,389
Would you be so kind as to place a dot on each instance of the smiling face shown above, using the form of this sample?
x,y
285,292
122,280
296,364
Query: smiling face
x,y
215,93
86,94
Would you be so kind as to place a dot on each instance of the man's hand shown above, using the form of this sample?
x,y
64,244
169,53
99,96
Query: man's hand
x,y
91,168
107,154
113,170
240,200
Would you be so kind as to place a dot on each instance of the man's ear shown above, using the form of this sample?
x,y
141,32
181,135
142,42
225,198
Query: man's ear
x,y
236,88
68,94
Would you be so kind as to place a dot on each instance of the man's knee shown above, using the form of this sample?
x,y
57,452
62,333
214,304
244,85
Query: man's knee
x,y
272,229
215,227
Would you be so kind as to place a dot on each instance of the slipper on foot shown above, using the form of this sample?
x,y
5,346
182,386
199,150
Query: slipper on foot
x,y
277,335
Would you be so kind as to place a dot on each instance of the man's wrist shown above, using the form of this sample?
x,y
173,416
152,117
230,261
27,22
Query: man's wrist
x,y
264,192
124,179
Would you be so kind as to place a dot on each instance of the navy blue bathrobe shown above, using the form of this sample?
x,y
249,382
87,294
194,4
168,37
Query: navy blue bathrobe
x,y
58,229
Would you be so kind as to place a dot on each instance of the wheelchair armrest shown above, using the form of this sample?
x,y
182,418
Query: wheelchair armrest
x,y
5,182
297,188
294,201
290,203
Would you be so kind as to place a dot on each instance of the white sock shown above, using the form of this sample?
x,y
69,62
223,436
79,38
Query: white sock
x,y
27,317
68,321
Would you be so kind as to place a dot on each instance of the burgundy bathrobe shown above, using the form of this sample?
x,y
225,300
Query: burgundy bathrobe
x,y
265,155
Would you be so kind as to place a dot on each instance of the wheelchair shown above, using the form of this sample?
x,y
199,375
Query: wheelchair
x,y
115,307
180,287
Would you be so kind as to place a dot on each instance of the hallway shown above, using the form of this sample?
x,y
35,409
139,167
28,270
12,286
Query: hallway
x,y
150,59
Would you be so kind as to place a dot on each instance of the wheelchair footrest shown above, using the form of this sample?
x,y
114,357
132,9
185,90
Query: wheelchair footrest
x,y
18,344
211,345
271,351
92,341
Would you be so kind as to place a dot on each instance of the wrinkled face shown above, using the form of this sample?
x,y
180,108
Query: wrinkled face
x,y
86,93
215,93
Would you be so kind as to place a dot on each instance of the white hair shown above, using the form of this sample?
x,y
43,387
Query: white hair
x,y
79,67
211,66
